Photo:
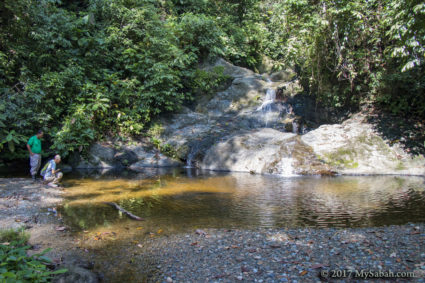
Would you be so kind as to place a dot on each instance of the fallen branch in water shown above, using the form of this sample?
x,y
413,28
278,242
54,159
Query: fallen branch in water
x,y
129,214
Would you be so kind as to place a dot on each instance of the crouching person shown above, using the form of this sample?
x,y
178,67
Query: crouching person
x,y
51,175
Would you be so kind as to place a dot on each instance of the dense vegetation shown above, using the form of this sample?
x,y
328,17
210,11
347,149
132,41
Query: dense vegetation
x,y
16,265
86,69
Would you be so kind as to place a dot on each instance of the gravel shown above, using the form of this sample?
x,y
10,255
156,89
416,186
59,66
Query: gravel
x,y
289,255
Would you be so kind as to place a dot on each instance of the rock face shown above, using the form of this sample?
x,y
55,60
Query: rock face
x,y
265,151
260,151
106,156
353,147
237,108
155,160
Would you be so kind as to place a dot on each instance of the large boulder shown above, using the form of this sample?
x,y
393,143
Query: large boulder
x,y
103,152
156,160
263,151
125,157
354,147
229,69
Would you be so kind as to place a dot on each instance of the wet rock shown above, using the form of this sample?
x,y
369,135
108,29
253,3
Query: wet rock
x,y
257,151
84,164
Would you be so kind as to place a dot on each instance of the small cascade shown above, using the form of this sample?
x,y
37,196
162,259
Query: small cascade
x,y
266,106
194,149
270,98
287,168
294,127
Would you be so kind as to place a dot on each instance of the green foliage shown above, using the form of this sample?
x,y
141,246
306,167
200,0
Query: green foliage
x,y
12,235
168,150
206,83
351,52
155,130
154,133
83,70
16,265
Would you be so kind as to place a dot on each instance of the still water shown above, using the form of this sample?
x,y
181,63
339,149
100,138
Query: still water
x,y
182,199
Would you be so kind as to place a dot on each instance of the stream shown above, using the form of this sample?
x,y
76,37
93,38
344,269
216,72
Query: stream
x,y
183,199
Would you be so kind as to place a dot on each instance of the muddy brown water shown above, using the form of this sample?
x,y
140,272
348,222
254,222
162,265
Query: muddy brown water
x,y
180,199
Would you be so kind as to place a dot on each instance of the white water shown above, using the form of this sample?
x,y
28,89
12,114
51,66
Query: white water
x,y
270,98
266,106
294,127
287,168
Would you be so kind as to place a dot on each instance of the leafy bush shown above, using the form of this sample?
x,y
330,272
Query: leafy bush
x,y
12,235
206,83
83,70
16,265
351,52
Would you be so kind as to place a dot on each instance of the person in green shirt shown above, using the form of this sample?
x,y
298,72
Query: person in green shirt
x,y
34,148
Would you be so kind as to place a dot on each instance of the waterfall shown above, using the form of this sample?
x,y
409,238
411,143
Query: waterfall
x,y
192,153
287,168
266,106
294,127
270,98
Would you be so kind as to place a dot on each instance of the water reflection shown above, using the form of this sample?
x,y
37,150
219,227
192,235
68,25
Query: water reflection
x,y
187,198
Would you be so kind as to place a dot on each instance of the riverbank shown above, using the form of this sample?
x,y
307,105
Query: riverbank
x,y
141,254
31,206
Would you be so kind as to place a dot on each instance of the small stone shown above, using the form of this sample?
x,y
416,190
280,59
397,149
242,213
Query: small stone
x,y
169,279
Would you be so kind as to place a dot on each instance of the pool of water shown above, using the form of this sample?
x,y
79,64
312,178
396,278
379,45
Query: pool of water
x,y
182,199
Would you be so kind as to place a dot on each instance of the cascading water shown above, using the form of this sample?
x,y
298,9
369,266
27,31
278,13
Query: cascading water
x,y
286,162
294,127
287,168
192,153
272,111
266,106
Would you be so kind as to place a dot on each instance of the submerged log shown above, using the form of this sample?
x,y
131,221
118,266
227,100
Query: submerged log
x,y
129,214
